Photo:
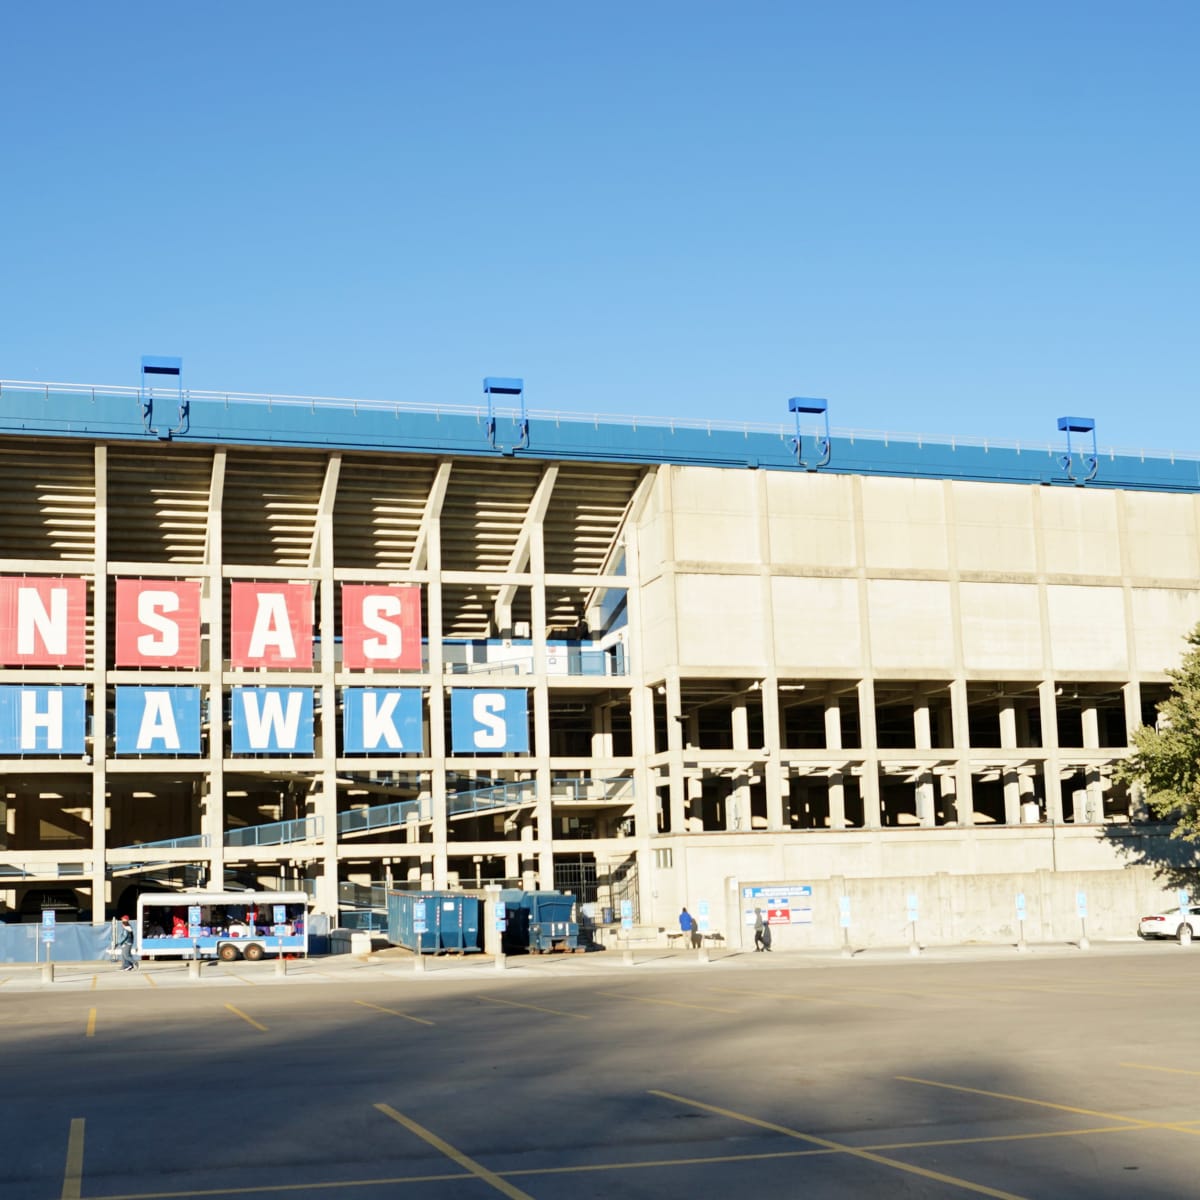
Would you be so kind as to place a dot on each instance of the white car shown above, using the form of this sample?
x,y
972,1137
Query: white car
x,y
1172,924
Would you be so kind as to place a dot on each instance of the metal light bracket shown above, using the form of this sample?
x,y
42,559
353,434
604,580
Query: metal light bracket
x,y
1071,425
809,404
494,386
157,367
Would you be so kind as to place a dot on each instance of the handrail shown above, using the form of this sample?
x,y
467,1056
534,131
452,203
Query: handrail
x,y
276,833
480,413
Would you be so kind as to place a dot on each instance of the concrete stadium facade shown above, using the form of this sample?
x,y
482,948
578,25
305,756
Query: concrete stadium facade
x,y
731,680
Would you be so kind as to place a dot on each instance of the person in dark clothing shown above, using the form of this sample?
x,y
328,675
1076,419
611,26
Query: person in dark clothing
x,y
761,931
125,944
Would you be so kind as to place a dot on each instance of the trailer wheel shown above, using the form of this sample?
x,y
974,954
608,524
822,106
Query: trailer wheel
x,y
227,952
253,952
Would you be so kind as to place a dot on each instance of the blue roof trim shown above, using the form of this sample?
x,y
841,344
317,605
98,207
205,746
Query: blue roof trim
x,y
100,417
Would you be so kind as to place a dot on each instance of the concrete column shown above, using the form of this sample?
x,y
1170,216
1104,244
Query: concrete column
x,y
961,742
772,776
926,808
1049,714
602,742
1012,797
833,721
869,780
1091,727
1008,724
99,786
837,801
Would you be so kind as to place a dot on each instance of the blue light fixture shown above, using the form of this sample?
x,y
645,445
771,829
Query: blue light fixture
x,y
1071,425
493,386
810,404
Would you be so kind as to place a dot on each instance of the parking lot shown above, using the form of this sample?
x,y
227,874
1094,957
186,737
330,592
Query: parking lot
x,y
1042,1075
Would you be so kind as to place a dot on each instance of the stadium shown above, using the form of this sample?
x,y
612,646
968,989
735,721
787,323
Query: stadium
x,y
876,685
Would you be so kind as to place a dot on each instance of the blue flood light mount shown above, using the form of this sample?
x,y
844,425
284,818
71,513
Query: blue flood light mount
x,y
1070,425
496,385
811,405
159,372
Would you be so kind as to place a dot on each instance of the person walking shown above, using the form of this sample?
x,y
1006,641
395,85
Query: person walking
x,y
760,931
125,944
687,924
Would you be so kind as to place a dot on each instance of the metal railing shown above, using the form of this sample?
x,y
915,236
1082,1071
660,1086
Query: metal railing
x,y
382,816
596,791
192,841
499,795
558,416
277,833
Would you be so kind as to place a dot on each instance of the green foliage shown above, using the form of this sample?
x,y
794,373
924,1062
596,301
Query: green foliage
x,y
1166,761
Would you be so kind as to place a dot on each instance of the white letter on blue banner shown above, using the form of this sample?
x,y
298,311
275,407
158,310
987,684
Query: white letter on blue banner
x,y
42,720
381,720
158,720
485,721
272,720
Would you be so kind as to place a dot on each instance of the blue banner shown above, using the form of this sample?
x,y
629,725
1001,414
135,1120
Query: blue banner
x,y
489,721
158,720
381,721
272,720
42,720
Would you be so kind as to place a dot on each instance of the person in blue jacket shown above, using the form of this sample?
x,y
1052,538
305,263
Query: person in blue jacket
x,y
125,944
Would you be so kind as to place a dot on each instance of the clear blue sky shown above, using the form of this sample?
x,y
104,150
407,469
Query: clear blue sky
x,y
945,217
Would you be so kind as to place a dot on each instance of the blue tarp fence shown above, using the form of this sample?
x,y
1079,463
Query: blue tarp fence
x,y
72,943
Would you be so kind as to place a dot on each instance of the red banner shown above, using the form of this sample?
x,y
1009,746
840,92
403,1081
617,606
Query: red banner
x,y
158,623
271,624
381,627
43,622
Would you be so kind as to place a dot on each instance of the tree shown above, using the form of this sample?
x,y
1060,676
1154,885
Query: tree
x,y
1166,759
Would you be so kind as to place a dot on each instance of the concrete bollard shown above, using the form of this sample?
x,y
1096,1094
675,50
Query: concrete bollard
x,y
419,964
48,972
281,965
193,968
501,962
627,958
702,954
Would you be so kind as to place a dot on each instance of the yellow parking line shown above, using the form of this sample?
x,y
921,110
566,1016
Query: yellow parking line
x,y
1086,1112
853,1151
672,1003
91,1023
95,979
1166,1070
465,1161
72,1187
537,1007
835,999
241,1014
394,1011
149,979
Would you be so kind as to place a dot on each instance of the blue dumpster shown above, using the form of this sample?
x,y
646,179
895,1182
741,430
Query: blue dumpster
x,y
451,919
539,922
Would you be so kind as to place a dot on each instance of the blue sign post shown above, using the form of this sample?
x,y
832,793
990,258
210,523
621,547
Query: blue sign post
x,y
1081,909
913,915
1021,922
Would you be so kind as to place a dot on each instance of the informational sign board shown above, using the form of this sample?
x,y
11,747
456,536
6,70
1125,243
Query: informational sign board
x,y
844,912
914,908
1081,904
781,903
419,923
702,916
1020,906
626,914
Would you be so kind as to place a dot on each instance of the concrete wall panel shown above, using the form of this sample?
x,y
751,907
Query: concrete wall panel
x,y
1001,627
811,520
1162,535
816,624
993,527
1080,531
1161,619
910,624
905,523
1087,628
720,621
